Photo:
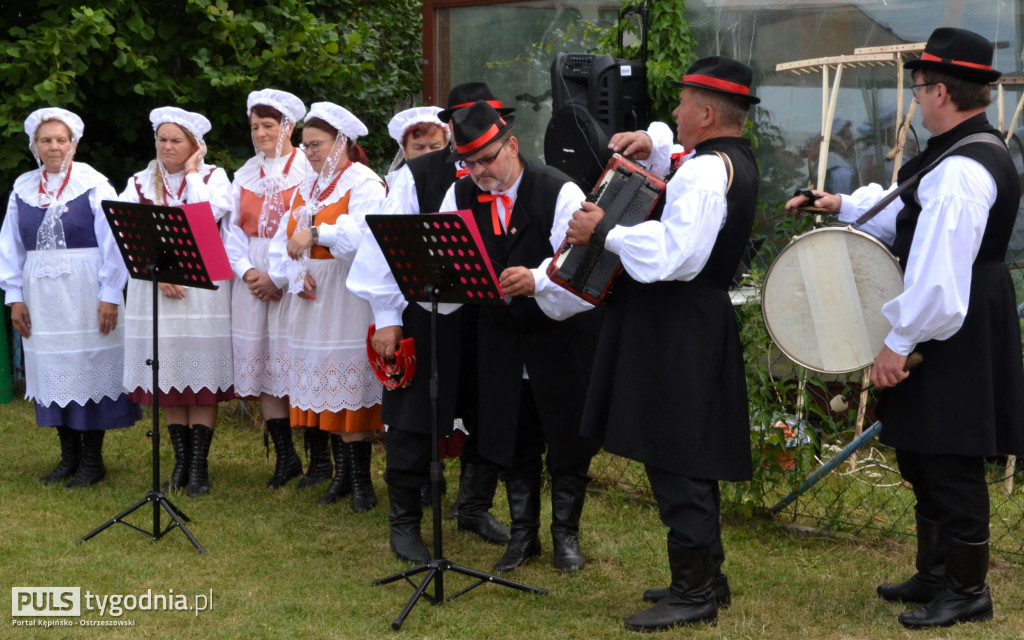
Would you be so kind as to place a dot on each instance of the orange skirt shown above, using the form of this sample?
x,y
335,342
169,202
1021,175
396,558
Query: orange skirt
x,y
346,421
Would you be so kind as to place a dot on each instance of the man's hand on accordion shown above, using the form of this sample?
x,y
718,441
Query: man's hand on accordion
x,y
517,281
581,227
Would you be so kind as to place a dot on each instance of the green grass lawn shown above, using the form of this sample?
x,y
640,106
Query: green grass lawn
x,y
281,566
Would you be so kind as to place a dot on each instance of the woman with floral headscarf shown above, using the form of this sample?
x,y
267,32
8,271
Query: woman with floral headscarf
x,y
262,193
63,277
333,391
195,324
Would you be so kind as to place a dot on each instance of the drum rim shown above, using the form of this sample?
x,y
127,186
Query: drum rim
x,y
768,327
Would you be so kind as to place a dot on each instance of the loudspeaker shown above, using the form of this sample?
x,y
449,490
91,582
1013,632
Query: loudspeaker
x,y
576,143
613,90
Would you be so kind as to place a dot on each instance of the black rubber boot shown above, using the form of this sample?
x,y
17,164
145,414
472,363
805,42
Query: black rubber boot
x,y
477,484
930,579
719,581
319,468
425,498
524,506
341,485
567,496
90,468
405,517
287,464
690,599
966,597
363,496
199,473
70,455
181,442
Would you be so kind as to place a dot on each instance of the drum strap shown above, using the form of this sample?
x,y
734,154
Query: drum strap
x,y
728,169
912,180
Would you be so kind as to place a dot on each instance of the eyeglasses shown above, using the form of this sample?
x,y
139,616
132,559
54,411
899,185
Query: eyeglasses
x,y
314,147
484,162
915,87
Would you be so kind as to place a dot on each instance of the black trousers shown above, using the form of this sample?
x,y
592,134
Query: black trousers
x,y
408,456
949,489
689,507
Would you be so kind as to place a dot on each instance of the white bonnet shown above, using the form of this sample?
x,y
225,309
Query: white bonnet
x,y
40,116
283,101
195,123
405,119
338,117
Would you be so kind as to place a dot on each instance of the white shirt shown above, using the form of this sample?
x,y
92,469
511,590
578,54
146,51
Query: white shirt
x,y
955,199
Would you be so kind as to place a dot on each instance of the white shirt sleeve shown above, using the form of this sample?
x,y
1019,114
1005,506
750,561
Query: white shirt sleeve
x,y
955,200
678,246
236,241
882,225
113,274
217,191
557,302
402,196
344,237
660,160
12,255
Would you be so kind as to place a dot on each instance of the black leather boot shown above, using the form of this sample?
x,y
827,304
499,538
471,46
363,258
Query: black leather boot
x,y
341,485
363,496
567,496
524,506
405,517
181,442
319,468
719,581
90,468
930,579
966,597
199,473
70,454
690,599
425,497
287,464
477,484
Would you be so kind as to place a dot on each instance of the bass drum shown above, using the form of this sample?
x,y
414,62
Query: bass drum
x,y
822,299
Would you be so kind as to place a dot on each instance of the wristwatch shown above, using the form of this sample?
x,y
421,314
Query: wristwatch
x,y
316,234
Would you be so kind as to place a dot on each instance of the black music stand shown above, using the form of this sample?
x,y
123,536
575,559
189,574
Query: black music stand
x,y
157,244
438,258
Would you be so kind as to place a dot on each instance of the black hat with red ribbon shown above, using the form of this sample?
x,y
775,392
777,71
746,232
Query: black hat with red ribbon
x,y
465,94
475,127
958,52
720,74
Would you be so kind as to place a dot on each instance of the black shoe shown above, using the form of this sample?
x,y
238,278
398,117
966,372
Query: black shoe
x,y
405,517
90,468
286,461
70,455
199,472
567,496
477,484
930,579
181,442
524,506
719,585
690,599
341,485
966,597
363,496
319,468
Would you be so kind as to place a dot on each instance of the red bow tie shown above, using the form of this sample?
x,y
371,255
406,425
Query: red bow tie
x,y
494,199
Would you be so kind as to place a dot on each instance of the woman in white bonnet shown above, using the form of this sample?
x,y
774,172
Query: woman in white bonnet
x,y
334,393
417,131
63,276
195,324
261,193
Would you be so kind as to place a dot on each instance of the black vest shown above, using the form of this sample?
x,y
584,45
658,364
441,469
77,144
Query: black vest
x,y
433,175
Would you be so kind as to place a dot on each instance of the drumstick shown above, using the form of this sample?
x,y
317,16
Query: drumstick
x,y
838,402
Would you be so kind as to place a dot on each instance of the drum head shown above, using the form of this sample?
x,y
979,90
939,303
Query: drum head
x,y
822,299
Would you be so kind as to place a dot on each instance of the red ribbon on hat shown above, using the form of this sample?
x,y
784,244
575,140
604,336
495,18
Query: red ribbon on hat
x,y
483,140
930,57
494,199
717,83
494,103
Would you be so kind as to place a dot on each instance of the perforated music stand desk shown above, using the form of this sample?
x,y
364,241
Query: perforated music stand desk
x,y
158,244
438,258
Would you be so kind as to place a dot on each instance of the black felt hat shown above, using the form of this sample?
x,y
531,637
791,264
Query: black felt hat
x,y
958,52
721,74
475,127
465,94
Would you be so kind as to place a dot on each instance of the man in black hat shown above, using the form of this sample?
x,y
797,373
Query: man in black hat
x,y
965,402
418,187
533,369
669,320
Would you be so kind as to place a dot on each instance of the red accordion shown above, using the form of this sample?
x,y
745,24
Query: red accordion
x,y
629,194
